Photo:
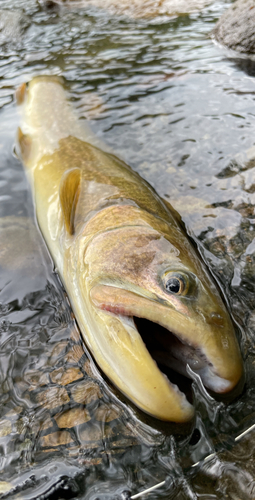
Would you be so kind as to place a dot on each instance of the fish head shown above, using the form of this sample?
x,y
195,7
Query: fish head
x,y
156,280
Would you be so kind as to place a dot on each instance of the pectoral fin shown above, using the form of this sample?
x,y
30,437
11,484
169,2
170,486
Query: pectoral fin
x,y
25,144
69,191
20,93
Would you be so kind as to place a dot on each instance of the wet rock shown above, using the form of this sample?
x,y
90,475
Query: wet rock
x,y
12,25
70,418
94,433
52,398
57,351
86,392
107,413
64,376
236,28
59,438
74,355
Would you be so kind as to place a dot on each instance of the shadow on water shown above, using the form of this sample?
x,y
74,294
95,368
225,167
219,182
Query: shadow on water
x,y
244,64
169,102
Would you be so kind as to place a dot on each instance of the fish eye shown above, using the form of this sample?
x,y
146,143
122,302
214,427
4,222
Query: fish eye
x,y
176,283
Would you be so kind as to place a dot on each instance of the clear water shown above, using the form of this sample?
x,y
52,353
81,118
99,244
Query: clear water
x,y
180,110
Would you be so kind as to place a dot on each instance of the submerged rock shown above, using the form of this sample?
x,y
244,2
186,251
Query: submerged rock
x,y
236,28
138,8
12,25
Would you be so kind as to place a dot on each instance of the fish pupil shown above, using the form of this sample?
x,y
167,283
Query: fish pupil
x,y
173,285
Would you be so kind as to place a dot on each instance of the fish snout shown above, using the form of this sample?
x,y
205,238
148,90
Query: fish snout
x,y
223,367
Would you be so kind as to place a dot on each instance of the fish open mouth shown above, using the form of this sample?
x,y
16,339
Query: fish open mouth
x,y
148,352
172,356
170,353
167,347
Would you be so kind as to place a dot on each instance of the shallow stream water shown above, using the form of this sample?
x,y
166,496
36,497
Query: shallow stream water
x,y
181,111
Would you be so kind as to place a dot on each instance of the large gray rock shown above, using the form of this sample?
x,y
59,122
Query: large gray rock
x,y
236,28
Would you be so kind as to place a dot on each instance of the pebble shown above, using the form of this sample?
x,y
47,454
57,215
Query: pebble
x,y
86,392
58,438
64,376
53,397
72,417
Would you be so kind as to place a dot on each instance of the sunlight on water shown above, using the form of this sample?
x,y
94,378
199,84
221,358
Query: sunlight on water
x,y
180,110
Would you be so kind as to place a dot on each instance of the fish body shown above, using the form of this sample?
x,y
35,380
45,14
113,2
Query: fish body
x,y
122,256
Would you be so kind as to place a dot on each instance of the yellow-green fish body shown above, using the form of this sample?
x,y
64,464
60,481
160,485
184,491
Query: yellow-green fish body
x,y
121,255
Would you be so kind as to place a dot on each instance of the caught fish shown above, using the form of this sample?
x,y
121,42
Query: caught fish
x,y
138,288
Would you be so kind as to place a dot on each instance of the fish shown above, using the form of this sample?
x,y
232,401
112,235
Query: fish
x,y
139,290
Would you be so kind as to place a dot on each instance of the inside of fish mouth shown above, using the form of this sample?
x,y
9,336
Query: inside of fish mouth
x,y
170,354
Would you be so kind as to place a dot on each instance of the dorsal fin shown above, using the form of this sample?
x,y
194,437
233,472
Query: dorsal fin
x,y
69,191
